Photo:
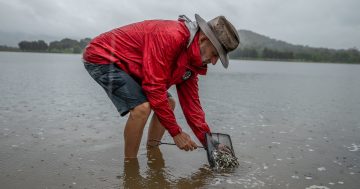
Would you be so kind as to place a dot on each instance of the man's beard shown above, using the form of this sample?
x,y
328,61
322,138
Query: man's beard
x,y
205,61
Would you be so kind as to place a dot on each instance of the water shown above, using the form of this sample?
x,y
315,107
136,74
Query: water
x,y
293,125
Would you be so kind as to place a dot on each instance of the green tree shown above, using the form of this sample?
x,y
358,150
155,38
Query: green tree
x,y
84,42
65,45
55,46
77,50
248,53
37,46
69,43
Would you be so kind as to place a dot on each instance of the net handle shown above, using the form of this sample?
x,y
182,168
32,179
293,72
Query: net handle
x,y
167,143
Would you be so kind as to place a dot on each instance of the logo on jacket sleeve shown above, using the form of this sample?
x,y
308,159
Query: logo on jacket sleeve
x,y
186,75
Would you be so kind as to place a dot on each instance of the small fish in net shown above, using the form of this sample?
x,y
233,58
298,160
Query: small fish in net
x,y
224,158
220,151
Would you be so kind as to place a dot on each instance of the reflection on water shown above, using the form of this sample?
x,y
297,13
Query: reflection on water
x,y
156,175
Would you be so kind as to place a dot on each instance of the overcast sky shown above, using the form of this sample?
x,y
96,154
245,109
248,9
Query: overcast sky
x,y
318,23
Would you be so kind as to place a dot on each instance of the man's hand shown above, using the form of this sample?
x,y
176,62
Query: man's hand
x,y
184,142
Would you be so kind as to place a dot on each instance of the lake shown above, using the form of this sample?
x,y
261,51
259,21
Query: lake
x,y
293,125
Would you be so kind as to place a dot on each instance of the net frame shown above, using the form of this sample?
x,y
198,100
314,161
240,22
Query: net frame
x,y
212,141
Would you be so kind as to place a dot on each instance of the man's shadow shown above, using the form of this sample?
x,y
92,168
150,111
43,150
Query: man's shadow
x,y
156,176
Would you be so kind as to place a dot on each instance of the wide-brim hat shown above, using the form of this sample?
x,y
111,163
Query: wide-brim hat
x,y
222,34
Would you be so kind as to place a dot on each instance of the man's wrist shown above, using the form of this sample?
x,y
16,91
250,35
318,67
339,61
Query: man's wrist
x,y
175,132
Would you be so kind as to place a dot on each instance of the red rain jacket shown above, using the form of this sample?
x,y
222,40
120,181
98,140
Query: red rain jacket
x,y
155,54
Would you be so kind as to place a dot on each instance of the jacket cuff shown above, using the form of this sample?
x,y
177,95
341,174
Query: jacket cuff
x,y
174,132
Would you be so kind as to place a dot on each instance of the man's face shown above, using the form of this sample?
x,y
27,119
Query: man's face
x,y
208,53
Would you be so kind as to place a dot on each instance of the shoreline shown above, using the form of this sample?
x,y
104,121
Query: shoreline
x,y
251,59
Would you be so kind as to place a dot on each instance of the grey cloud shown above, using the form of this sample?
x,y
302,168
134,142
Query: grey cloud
x,y
327,23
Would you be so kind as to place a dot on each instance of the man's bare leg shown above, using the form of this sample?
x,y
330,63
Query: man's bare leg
x,y
134,129
156,130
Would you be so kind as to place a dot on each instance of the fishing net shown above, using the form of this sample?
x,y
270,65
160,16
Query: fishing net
x,y
220,151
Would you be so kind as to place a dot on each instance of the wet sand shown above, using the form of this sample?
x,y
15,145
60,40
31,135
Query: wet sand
x,y
292,126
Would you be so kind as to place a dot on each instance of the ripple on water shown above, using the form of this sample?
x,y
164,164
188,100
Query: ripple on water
x,y
317,187
354,147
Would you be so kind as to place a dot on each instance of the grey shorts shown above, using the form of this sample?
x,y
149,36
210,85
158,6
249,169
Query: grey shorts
x,y
124,92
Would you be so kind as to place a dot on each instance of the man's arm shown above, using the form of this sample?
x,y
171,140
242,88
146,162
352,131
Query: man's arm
x,y
188,93
158,56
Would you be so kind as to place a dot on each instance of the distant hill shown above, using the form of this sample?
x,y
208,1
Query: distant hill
x,y
251,39
257,46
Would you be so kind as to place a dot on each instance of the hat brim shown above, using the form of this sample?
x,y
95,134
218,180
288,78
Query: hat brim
x,y
224,58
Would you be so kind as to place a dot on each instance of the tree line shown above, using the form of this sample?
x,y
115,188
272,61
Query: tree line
x,y
315,55
7,48
65,45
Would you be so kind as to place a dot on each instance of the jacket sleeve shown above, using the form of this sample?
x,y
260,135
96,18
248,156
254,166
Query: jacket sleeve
x,y
188,93
159,50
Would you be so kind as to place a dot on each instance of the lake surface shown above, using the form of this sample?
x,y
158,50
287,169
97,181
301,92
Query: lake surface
x,y
293,125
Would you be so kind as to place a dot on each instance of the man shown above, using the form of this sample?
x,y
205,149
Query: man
x,y
136,65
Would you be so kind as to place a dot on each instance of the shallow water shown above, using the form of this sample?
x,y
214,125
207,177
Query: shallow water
x,y
293,125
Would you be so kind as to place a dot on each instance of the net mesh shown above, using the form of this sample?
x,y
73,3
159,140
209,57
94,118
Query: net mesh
x,y
220,151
